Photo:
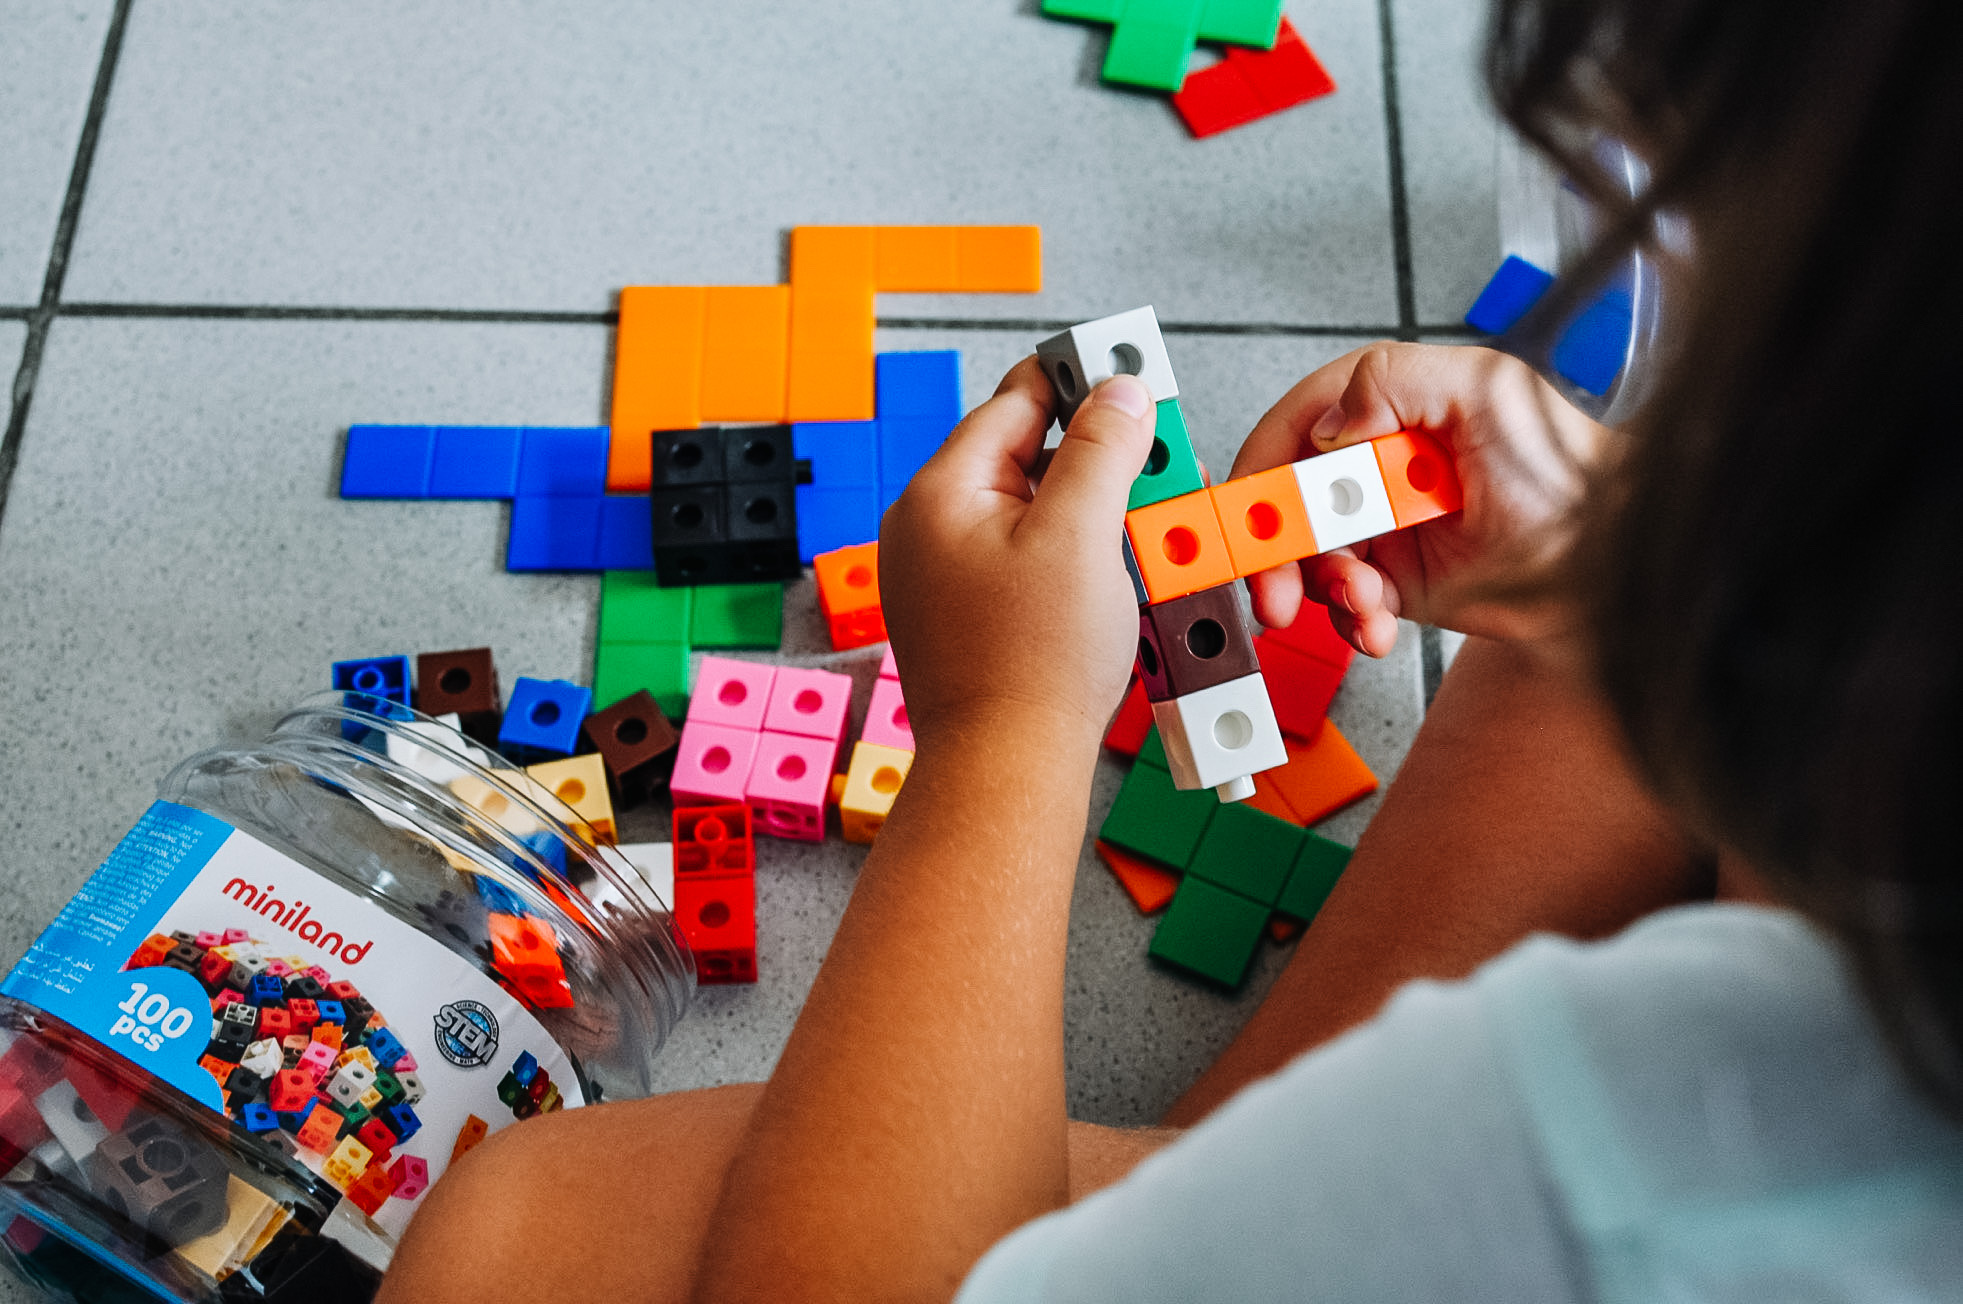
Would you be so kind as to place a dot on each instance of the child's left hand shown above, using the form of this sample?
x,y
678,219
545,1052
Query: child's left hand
x,y
1008,606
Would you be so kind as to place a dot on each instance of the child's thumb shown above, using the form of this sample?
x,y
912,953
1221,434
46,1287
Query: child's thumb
x,y
1089,478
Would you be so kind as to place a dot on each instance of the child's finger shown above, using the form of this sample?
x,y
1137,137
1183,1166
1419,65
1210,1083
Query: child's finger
x,y
996,445
1361,600
1277,595
1090,473
1281,435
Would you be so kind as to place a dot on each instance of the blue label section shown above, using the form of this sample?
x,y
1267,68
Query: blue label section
x,y
74,969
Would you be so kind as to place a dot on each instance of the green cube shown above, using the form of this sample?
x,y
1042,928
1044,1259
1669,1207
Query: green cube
x,y
1241,22
1171,468
738,616
1247,851
1148,53
634,609
1153,819
623,669
1318,865
1210,931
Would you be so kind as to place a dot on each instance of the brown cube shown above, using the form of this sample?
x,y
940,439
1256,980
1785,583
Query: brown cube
x,y
465,682
636,743
1192,643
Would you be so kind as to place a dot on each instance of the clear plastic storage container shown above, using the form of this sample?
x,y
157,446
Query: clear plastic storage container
x,y
316,971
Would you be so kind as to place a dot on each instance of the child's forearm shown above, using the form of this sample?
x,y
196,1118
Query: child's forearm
x,y
918,1112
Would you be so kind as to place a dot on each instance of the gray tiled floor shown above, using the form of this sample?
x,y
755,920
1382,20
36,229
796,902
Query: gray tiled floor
x,y
48,56
174,565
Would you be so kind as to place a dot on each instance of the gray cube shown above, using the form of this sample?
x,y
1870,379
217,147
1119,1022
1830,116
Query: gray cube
x,y
1084,356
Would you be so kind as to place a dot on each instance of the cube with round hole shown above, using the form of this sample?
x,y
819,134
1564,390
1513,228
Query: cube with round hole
x,y
788,783
169,1182
579,784
886,717
871,784
464,682
636,743
1220,737
811,703
1418,476
713,840
1263,519
731,693
1192,643
543,719
1345,497
848,594
1179,546
718,916
1126,343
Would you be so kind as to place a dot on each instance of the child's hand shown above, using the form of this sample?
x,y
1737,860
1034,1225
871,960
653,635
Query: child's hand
x,y
1520,449
1008,607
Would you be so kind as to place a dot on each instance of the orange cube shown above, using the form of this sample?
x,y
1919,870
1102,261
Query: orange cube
x,y
1419,476
1179,546
1264,520
469,1137
848,594
525,952
372,1189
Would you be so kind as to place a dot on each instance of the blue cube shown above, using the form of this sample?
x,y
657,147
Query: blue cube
x,y
387,462
525,1068
386,1047
267,989
333,1012
626,539
497,898
386,678
1515,288
258,1118
401,1120
905,444
843,454
1591,351
543,718
830,519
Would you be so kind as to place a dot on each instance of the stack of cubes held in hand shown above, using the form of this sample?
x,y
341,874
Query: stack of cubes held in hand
x,y
1187,545
715,862
880,759
765,736
300,1057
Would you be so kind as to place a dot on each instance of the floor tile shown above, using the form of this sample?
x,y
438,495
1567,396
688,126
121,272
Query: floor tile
x,y
359,153
48,63
220,592
13,335
1450,145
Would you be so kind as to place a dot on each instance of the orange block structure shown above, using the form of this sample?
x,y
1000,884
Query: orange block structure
x,y
1149,887
1323,775
1179,546
1263,519
689,355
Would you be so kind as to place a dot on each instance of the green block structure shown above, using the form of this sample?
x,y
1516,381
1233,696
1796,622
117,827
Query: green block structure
x,y
1210,931
1172,467
623,669
634,609
1153,750
1152,40
1247,851
737,616
1153,819
1318,865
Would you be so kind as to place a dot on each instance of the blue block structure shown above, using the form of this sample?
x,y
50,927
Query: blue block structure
x,y
258,1117
563,462
1590,353
626,539
918,385
476,462
387,462
830,519
386,1047
542,719
554,534
332,1012
383,677
401,1120
843,454
1515,288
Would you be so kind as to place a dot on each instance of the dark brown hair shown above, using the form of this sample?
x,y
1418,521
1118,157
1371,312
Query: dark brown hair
x,y
1772,568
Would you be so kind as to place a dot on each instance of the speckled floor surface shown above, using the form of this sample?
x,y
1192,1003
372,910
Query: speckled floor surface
x,y
228,230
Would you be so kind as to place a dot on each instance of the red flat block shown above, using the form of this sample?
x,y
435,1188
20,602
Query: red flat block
x,y
1251,84
1132,723
1313,635
1300,687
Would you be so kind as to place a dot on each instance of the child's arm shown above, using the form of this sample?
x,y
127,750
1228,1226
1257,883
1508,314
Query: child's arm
x,y
1519,448
917,1114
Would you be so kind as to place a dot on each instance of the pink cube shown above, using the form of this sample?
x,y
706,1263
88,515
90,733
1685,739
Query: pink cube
x,y
789,781
317,1060
711,764
731,693
235,935
279,968
811,703
205,941
887,669
886,717
405,1063
318,974
226,996
411,1177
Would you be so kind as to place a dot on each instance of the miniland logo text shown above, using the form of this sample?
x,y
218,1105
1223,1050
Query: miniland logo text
x,y
292,916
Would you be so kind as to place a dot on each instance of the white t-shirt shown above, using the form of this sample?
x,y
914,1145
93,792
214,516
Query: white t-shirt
x,y
1698,1109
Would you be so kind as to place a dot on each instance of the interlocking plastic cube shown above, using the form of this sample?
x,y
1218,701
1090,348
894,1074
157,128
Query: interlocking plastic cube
x,y
788,782
813,703
732,693
712,765
543,719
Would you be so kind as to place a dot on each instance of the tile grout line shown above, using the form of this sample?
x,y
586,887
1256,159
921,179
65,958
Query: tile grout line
x,y
40,318
551,317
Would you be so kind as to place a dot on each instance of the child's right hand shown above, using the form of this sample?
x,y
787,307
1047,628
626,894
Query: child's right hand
x,y
1520,449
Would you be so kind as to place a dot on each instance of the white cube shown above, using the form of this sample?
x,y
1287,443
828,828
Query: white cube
x,y
1219,737
1345,497
1083,357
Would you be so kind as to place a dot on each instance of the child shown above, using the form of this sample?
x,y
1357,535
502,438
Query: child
x,y
1747,605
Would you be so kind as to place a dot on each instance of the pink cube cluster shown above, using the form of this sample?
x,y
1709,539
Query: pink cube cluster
x,y
766,736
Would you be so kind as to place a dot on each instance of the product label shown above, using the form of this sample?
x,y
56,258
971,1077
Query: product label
x,y
448,1052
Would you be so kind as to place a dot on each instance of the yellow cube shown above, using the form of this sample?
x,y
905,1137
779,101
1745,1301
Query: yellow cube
x,y
345,1166
580,782
871,783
